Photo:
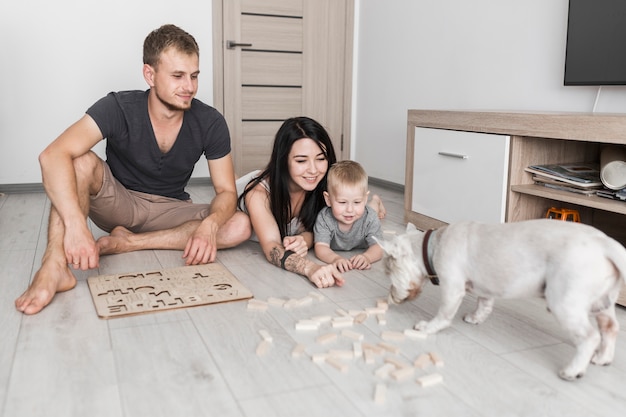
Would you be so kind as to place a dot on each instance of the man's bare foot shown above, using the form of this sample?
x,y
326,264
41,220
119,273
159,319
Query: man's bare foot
x,y
377,204
116,242
49,280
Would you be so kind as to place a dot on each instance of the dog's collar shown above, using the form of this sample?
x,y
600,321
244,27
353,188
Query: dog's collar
x,y
427,257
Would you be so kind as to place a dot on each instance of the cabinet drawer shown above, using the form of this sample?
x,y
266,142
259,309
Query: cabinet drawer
x,y
460,175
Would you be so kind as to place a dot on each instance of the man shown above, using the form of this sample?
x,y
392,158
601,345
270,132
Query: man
x,y
154,138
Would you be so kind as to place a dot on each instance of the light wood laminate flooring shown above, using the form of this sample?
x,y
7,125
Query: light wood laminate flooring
x,y
202,361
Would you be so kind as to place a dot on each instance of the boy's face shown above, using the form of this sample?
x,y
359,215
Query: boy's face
x,y
347,203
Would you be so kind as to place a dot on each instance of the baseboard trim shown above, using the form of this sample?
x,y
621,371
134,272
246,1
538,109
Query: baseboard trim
x,y
387,184
35,187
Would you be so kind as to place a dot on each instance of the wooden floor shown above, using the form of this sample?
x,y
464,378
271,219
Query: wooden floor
x,y
201,361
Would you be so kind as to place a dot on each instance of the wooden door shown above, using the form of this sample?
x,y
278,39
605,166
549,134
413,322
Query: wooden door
x,y
276,59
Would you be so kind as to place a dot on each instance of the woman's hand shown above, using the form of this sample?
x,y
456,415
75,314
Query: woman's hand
x,y
324,276
296,244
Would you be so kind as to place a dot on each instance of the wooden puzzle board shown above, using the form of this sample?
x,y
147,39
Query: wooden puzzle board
x,y
142,292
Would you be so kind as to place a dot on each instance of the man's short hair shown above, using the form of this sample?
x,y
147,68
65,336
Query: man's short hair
x,y
346,173
164,37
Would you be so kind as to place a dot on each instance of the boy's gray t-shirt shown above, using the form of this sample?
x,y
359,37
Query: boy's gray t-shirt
x,y
359,237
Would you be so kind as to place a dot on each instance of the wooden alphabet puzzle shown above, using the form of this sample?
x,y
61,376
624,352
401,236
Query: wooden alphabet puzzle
x,y
141,292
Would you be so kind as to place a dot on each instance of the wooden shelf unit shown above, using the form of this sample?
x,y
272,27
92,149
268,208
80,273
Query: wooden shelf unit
x,y
536,138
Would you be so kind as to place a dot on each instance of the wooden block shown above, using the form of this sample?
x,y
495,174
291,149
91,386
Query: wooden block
x,y
360,318
382,304
307,325
389,348
322,319
341,354
415,334
304,301
342,312
382,320
266,335
380,394
257,305
357,347
352,334
337,364
422,361
389,335
291,303
355,313
345,321
277,302
429,380
263,347
398,363
436,359
384,371
375,310
326,338
378,350
298,350
370,356
403,374
319,357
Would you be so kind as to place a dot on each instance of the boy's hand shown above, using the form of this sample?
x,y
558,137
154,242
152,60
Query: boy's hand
x,y
360,262
343,264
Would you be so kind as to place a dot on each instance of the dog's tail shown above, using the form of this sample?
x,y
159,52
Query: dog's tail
x,y
616,253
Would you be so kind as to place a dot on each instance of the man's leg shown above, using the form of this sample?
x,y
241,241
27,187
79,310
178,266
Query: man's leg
x,y
235,231
55,275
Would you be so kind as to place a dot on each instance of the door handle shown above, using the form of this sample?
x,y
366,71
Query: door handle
x,y
234,44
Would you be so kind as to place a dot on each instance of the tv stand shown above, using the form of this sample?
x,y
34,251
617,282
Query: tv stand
x,y
533,138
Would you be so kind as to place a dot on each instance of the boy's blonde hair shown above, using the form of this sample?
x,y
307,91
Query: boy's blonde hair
x,y
346,174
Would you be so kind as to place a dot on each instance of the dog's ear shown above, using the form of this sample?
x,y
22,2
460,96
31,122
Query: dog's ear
x,y
383,244
410,227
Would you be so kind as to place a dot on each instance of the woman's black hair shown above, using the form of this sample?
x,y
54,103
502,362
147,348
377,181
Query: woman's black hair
x,y
277,173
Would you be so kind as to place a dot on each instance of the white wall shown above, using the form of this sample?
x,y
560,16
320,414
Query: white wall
x,y
58,57
458,54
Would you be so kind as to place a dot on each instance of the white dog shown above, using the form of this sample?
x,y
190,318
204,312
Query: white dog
x,y
576,268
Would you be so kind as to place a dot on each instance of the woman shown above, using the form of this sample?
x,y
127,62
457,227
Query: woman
x,y
283,200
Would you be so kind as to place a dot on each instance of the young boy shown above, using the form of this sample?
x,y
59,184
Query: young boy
x,y
348,222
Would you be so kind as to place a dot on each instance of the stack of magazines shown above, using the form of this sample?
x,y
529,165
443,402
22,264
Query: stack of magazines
x,y
580,177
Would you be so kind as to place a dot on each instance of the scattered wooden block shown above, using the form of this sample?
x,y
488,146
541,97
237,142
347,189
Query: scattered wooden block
x,y
360,318
415,334
326,338
389,348
342,312
304,301
380,394
403,374
266,335
384,371
263,347
370,356
422,361
430,380
375,310
397,363
358,349
382,304
352,334
322,319
319,357
344,321
257,305
307,325
382,320
277,302
291,303
378,350
298,350
436,359
341,354
337,364
389,335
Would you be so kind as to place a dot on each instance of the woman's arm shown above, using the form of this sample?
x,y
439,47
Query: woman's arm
x,y
266,229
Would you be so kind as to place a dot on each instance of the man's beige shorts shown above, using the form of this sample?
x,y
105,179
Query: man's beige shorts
x,y
114,205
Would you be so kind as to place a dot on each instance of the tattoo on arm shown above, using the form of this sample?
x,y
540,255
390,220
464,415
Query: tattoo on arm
x,y
293,263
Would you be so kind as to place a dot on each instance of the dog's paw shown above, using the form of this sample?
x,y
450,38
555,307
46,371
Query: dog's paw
x,y
568,375
421,326
471,318
601,360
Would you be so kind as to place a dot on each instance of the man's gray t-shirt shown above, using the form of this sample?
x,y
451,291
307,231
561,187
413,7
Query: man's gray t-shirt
x,y
359,237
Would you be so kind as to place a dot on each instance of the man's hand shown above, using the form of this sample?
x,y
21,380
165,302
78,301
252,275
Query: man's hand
x,y
201,247
80,247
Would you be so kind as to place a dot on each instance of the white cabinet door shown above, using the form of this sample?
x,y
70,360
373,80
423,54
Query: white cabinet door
x,y
460,175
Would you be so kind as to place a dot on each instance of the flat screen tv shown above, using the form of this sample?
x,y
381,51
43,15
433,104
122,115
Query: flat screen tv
x,y
596,43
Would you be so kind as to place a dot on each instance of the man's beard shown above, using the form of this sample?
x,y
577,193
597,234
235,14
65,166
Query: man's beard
x,y
172,106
